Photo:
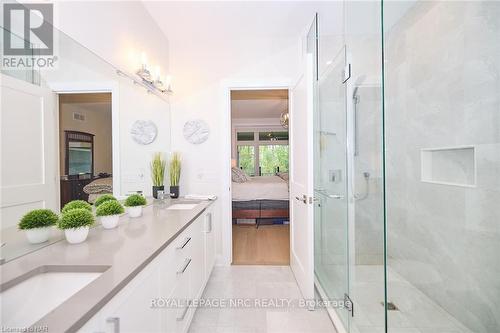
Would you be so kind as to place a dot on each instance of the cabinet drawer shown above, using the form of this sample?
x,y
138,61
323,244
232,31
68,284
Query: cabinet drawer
x,y
121,311
176,318
168,272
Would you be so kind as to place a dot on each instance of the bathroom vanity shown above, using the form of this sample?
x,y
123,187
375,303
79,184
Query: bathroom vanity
x,y
140,277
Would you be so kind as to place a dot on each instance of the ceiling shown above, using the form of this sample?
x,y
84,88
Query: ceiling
x,y
258,104
258,108
234,20
98,102
259,94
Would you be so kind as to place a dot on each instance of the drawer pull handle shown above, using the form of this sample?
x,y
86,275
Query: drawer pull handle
x,y
208,223
186,264
116,323
181,318
186,241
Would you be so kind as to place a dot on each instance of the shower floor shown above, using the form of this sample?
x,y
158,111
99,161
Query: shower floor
x,y
416,312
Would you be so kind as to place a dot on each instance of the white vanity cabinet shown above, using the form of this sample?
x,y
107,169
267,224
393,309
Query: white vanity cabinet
x,y
178,274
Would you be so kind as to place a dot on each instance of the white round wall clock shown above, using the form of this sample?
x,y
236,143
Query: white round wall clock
x,y
196,131
143,132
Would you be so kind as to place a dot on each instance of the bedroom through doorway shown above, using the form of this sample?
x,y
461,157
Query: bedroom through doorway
x,y
259,177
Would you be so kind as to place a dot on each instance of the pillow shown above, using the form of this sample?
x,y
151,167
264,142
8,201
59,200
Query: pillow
x,y
239,176
283,175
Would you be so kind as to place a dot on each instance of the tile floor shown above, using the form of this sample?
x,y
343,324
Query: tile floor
x,y
416,313
257,282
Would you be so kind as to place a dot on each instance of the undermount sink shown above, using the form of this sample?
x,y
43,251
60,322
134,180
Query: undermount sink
x,y
182,206
27,299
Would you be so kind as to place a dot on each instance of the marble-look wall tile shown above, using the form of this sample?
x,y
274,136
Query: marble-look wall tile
x,y
442,89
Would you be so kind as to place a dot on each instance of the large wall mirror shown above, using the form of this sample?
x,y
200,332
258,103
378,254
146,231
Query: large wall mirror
x,y
65,127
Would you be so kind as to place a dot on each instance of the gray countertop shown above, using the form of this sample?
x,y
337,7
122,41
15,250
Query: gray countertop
x,y
126,250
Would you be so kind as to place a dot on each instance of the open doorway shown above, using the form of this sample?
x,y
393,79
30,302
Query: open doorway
x,y
259,175
85,146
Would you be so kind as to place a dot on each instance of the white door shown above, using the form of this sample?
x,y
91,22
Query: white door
x,y
301,180
29,153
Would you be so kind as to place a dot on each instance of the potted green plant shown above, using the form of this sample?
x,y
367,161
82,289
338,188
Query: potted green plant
x,y
76,224
109,212
103,198
37,224
76,204
175,174
157,173
134,205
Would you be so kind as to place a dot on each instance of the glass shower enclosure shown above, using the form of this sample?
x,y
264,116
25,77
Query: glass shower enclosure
x,y
407,165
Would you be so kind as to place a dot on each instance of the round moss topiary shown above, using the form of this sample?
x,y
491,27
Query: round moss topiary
x,y
38,218
135,200
76,204
110,207
103,198
76,218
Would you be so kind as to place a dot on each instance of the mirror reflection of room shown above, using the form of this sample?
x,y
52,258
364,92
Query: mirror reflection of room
x,y
85,146
259,158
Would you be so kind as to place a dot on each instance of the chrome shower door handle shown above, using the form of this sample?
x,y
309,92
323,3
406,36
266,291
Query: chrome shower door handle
x,y
331,196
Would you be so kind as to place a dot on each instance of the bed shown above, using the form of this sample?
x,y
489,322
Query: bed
x,y
99,187
264,197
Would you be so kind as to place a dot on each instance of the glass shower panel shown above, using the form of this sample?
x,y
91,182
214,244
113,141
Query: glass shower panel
x,y
442,124
364,108
330,185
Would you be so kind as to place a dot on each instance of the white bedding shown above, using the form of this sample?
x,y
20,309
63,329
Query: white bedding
x,y
261,188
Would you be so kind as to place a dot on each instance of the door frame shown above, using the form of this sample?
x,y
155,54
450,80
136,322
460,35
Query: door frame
x,y
95,87
226,202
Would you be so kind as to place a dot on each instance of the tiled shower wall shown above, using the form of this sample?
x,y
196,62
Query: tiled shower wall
x,y
442,89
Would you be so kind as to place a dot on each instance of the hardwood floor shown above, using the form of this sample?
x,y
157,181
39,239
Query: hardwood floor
x,y
265,245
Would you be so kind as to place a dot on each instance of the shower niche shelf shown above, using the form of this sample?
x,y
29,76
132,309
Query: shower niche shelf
x,y
449,166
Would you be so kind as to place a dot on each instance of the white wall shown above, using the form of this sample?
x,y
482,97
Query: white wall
x,y
117,31
200,86
228,44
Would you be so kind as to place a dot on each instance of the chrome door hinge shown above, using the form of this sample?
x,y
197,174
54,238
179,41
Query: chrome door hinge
x,y
349,304
347,73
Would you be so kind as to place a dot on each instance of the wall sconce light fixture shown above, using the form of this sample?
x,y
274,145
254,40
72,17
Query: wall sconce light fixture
x,y
153,81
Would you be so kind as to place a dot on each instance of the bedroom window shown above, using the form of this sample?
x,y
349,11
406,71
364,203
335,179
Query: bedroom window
x,y
273,136
245,136
246,159
262,152
273,159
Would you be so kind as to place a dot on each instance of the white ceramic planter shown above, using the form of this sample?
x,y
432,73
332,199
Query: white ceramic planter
x,y
38,235
76,235
110,221
135,211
